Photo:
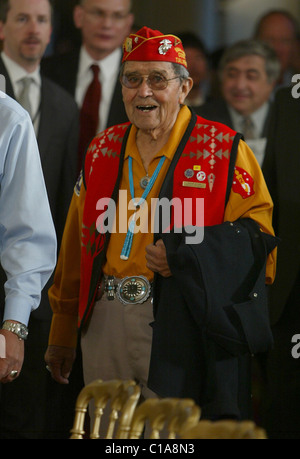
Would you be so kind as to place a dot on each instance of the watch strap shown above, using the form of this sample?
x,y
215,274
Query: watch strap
x,y
17,328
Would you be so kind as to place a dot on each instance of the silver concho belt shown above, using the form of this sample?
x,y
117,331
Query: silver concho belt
x,y
130,290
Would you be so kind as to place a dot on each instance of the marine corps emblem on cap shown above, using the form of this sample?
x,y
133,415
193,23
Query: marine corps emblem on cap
x,y
165,46
152,45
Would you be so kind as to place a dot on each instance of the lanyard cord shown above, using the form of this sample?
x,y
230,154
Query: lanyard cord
x,y
129,236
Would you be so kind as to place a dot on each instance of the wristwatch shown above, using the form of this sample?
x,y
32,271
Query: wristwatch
x,y
18,329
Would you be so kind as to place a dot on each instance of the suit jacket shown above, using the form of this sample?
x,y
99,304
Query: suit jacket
x,y
216,110
281,169
57,140
210,316
63,69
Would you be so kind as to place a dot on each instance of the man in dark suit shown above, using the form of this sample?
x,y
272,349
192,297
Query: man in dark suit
x,y
248,72
281,169
104,24
280,29
25,28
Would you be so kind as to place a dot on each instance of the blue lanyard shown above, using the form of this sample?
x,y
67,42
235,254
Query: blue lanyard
x,y
129,236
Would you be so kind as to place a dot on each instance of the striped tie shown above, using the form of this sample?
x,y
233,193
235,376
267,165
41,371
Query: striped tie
x,y
24,95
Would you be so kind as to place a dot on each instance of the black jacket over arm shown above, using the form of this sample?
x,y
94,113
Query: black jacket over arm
x,y
210,316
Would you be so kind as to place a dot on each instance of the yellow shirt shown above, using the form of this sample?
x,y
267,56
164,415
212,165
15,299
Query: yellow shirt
x,y
64,294
136,265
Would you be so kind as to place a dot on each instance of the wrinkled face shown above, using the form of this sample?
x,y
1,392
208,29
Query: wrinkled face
x,y
104,24
245,84
279,33
27,30
150,109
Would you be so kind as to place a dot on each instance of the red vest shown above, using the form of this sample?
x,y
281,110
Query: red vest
x,y
200,169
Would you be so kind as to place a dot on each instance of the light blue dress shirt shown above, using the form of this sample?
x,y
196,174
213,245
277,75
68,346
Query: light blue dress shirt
x,y
27,234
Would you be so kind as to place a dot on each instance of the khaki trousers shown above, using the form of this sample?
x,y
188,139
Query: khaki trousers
x,y
117,343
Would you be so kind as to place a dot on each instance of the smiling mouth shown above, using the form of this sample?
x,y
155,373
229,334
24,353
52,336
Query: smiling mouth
x,y
31,42
241,96
146,108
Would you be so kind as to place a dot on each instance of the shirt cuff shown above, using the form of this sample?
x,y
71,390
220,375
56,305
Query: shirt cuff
x,y
64,331
16,310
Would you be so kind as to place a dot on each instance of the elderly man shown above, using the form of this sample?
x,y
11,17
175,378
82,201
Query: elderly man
x,y
248,72
146,290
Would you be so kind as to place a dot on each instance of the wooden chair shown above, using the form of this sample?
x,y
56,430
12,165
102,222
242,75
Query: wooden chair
x,y
167,416
120,397
225,430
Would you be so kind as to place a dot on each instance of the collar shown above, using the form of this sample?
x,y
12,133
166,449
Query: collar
x,y
16,72
258,118
108,66
179,128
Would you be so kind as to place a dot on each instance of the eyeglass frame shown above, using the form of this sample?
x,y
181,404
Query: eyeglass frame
x,y
143,77
99,15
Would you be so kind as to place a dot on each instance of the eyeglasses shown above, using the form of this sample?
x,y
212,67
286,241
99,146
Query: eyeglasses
x,y
99,15
155,81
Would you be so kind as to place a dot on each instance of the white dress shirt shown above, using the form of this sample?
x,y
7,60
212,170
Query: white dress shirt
x,y
27,234
109,73
16,74
258,118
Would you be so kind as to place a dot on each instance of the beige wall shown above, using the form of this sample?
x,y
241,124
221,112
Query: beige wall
x,y
240,16
199,16
167,15
217,22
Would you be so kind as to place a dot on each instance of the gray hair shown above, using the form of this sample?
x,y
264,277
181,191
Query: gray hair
x,y
252,48
181,71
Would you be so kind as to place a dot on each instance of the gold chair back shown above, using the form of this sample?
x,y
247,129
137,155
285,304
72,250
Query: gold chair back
x,y
122,398
225,430
168,416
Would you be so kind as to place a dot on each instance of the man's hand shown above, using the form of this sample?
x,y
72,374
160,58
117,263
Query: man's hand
x,y
14,356
156,256
59,361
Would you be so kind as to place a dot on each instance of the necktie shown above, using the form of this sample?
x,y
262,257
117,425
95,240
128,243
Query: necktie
x,y
24,95
89,114
248,129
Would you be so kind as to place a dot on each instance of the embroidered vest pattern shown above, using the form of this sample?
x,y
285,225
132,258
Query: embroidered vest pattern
x,y
201,172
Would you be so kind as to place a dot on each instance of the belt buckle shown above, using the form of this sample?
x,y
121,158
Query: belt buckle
x,y
134,290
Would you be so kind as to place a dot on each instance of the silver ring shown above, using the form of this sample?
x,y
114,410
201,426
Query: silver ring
x,y
13,374
48,368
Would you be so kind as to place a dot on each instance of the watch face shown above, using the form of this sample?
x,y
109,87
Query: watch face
x,y
22,332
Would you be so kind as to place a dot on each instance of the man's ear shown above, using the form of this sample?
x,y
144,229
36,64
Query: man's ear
x,y
2,35
78,16
185,89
